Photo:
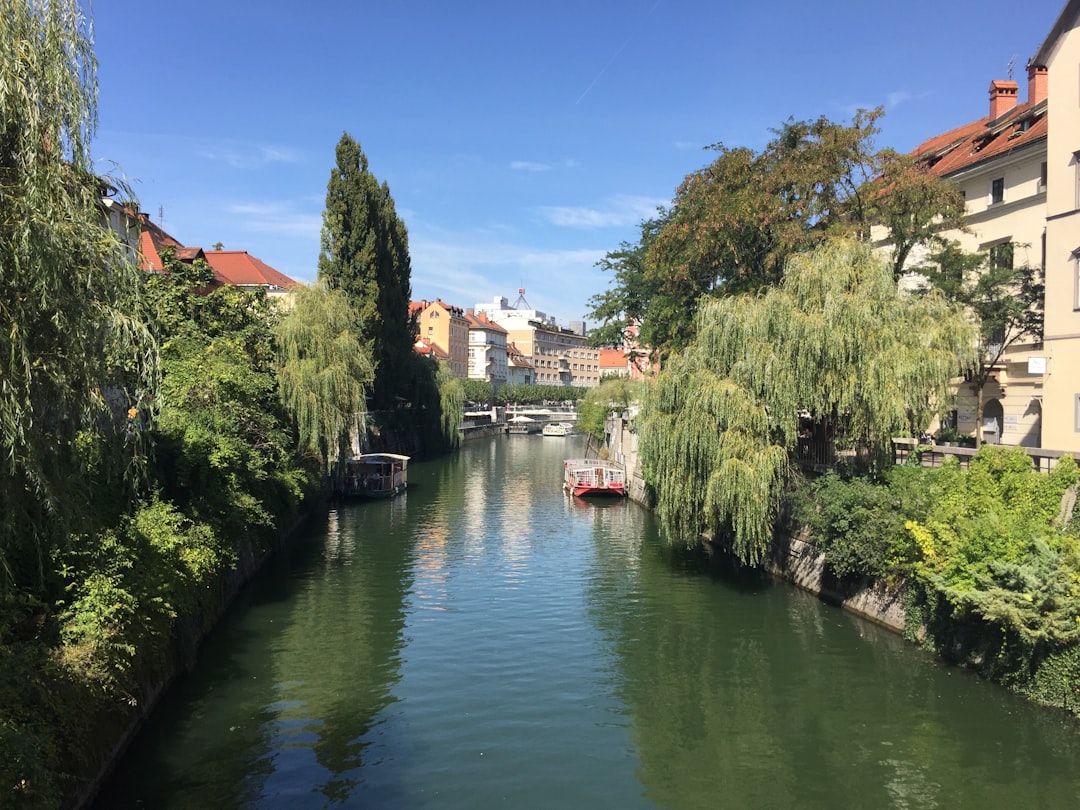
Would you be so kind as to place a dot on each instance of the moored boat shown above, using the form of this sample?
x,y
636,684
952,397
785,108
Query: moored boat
x,y
558,429
375,475
593,476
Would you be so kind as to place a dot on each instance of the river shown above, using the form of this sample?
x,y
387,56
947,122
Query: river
x,y
485,641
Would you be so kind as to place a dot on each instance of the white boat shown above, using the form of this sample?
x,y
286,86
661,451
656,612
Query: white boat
x,y
593,476
375,475
558,429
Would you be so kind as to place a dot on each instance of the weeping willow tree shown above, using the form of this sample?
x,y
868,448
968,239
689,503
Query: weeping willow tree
x,y
451,405
325,372
77,363
837,339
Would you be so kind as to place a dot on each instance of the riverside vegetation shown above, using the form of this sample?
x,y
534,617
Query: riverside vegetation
x,y
161,433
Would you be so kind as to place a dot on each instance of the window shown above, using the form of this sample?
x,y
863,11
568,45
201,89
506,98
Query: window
x,y
1042,177
1076,412
1001,256
1076,278
997,191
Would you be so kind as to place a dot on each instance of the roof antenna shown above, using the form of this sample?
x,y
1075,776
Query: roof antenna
x,y
521,300
161,216
1012,64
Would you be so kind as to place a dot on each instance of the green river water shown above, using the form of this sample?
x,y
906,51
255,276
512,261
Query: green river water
x,y
484,641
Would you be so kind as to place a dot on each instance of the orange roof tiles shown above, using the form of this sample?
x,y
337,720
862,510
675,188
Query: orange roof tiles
x,y
480,320
974,143
240,269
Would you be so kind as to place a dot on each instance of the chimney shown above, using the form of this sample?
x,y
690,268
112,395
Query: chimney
x,y
1037,83
1002,97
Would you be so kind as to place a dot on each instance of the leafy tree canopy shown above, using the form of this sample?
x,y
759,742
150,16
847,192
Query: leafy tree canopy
x,y
734,223
835,338
75,355
325,372
365,252
1005,300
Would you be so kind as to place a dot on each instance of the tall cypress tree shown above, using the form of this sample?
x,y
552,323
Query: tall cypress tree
x,y
365,253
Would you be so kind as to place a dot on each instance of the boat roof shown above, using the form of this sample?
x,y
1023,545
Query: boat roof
x,y
375,457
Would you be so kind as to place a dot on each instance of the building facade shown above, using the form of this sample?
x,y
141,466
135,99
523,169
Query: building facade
x,y
560,355
487,350
1060,56
445,326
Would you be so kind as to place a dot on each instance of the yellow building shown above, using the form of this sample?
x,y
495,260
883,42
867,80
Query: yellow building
x,y
1060,56
445,326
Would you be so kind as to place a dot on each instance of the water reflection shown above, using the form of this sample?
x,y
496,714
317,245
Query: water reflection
x,y
487,641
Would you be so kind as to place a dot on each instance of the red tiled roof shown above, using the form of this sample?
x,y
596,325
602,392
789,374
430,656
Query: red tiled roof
x,y
428,349
480,320
981,140
153,240
241,269
613,358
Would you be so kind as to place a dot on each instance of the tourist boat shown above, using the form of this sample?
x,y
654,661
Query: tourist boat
x,y
593,476
376,475
558,429
521,424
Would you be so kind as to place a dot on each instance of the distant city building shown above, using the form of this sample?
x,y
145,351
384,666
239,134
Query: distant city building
x,y
445,326
487,350
559,355
519,368
614,362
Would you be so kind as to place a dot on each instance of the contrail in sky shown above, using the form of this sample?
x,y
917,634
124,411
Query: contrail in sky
x,y
611,61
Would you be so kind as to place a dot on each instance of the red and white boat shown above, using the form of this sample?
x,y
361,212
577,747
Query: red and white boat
x,y
593,476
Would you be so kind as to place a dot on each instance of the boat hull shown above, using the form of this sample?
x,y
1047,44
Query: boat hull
x,y
594,478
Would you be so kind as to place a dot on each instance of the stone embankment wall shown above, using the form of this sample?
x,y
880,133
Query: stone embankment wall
x,y
794,559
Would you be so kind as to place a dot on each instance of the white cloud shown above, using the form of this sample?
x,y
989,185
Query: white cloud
x,y
275,217
529,166
898,97
618,212
248,156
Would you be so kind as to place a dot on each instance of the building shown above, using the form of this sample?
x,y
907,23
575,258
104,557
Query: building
x,y
1059,56
519,368
487,350
1019,169
447,327
614,363
238,268
560,355
999,163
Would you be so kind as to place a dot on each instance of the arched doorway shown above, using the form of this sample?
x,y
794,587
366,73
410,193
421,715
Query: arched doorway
x,y
993,421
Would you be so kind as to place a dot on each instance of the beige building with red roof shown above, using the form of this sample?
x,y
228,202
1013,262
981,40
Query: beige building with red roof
x,y
613,362
487,349
239,268
1060,56
1019,170
999,163
445,326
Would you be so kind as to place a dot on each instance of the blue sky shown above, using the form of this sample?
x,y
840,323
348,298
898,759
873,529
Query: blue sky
x,y
521,141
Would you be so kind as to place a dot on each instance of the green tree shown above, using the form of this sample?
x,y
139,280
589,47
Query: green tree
x,y
613,394
835,338
325,373
75,356
734,223
478,391
365,252
624,307
912,205
451,405
1006,301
